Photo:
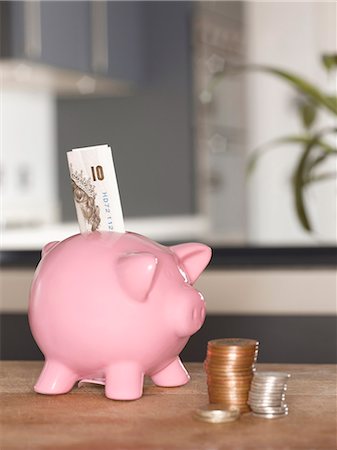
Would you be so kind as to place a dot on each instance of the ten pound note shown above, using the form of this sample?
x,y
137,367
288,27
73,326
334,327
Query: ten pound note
x,y
95,189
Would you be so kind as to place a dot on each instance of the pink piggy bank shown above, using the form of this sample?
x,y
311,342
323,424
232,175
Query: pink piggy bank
x,y
115,307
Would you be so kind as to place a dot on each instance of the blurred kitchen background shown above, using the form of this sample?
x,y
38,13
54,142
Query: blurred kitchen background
x,y
163,83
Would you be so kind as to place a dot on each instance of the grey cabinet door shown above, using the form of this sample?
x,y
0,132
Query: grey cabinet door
x,y
126,40
56,33
65,34
100,37
150,130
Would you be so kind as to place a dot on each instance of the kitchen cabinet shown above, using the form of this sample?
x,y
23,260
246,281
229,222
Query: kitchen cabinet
x,y
126,40
65,34
52,33
149,131
93,37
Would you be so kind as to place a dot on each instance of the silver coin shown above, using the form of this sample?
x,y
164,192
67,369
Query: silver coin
x,y
269,395
272,375
271,381
270,416
268,389
267,384
264,405
268,392
265,402
268,379
266,397
271,410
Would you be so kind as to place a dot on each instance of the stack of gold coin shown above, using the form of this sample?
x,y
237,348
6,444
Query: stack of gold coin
x,y
230,366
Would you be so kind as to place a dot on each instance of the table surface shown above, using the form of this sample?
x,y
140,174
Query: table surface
x,y
162,418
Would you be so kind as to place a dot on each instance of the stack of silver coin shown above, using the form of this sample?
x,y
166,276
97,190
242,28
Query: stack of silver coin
x,y
267,394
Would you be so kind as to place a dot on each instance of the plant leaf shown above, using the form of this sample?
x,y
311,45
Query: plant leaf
x,y
298,188
302,85
305,87
300,180
292,139
317,161
329,60
322,177
332,100
258,152
308,114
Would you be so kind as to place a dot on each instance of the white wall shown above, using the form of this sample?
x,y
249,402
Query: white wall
x,y
270,292
28,156
290,35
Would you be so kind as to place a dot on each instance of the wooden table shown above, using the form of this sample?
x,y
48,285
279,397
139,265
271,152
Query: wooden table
x,y
162,418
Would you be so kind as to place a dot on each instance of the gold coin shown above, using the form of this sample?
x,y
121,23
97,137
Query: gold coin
x,y
229,394
230,354
244,410
235,365
225,369
229,387
229,381
241,342
222,372
225,354
225,349
243,390
215,396
242,407
217,413
232,398
229,398
224,365
222,377
231,348
214,348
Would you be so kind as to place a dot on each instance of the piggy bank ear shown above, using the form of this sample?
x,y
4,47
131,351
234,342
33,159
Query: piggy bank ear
x,y
46,248
135,272
194,258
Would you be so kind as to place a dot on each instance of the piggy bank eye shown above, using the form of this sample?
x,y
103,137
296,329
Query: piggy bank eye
x,y
183,274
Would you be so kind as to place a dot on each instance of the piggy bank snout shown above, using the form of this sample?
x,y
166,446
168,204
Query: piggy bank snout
x,y
190,314
199,313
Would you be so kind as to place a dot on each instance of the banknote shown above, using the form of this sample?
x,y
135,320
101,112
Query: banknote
x,y
95,189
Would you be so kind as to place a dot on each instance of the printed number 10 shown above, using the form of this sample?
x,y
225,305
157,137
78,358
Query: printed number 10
x,y
97,173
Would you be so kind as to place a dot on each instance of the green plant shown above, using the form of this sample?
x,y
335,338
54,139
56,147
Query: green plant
x,y
315,146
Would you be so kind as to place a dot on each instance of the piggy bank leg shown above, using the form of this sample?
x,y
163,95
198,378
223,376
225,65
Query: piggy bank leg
x,y
55,378
124,381
174,374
